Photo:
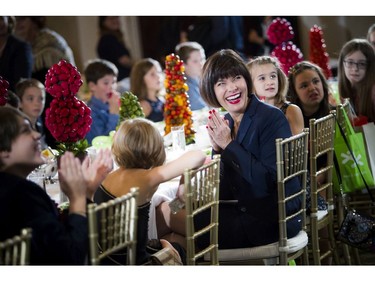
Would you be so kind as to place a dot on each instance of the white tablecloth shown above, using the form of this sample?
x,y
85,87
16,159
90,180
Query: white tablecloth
x,y
166,192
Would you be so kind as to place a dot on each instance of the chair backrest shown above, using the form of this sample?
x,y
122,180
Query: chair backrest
x,y
16,250
339,113
202,194
116,220
322,135
291,162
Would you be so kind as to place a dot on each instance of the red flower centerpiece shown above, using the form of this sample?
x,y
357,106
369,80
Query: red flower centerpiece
x,y
68,118
318,53
279,33
4,85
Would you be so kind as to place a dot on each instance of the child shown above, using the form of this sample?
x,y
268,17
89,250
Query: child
x,y
308,88
32,95
356,72
138,150
192,54
271,84
145,83
24,204
101,79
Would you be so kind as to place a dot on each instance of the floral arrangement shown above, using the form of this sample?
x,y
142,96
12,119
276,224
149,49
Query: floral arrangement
x,y
68,118
177,107
318,54
4,85
279,33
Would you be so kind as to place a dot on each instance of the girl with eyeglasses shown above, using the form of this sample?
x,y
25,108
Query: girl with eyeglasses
x,y
356,72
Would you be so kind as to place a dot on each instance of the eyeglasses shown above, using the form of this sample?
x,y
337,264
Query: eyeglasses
x,y
351,64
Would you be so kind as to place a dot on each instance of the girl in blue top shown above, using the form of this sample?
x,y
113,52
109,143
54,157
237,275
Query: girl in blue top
x,y
146,84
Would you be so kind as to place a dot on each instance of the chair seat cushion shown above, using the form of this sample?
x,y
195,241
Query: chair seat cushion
x,y
262,252
321,214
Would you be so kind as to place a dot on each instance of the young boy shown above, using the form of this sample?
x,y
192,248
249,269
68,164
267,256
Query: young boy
x,y
192,54
101,79
32,95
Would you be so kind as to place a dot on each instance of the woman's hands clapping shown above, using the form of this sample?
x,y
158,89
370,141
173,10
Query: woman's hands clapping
x,y
218,131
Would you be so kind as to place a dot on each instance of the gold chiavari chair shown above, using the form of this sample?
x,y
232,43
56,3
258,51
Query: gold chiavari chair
x,y
322,134
291,161
113,227
202,195
16,250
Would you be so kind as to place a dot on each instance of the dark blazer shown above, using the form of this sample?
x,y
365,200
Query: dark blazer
x,y
248,178
25,204
16,61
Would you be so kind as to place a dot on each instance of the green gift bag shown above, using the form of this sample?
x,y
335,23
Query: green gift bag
x,y
344,151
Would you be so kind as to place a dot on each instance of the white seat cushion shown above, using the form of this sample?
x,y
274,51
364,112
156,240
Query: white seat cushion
x,y
321,214
262,252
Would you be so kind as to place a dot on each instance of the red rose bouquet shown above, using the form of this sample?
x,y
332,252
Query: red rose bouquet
x,y
318,53
68,118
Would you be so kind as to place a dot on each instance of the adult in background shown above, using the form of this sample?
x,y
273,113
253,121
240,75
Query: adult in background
x,y
215,33
111,45
256,43
48,48
16,59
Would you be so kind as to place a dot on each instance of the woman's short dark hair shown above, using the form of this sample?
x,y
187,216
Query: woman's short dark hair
x,y
222,64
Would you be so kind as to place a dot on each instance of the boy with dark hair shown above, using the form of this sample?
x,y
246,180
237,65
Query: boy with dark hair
x,y
101,79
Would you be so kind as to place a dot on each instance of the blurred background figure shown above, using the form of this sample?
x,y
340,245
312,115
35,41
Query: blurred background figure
x,y
146,84
192,54
215,33
13,100
16,58
48,48
111,47
371,35
257,43
32,96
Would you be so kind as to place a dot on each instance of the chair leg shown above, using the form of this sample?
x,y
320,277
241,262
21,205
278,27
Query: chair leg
x,y
306,256
356,256
333,244
347,257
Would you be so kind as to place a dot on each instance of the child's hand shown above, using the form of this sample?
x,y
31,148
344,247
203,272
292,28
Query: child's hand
x,y
95,172
114,102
